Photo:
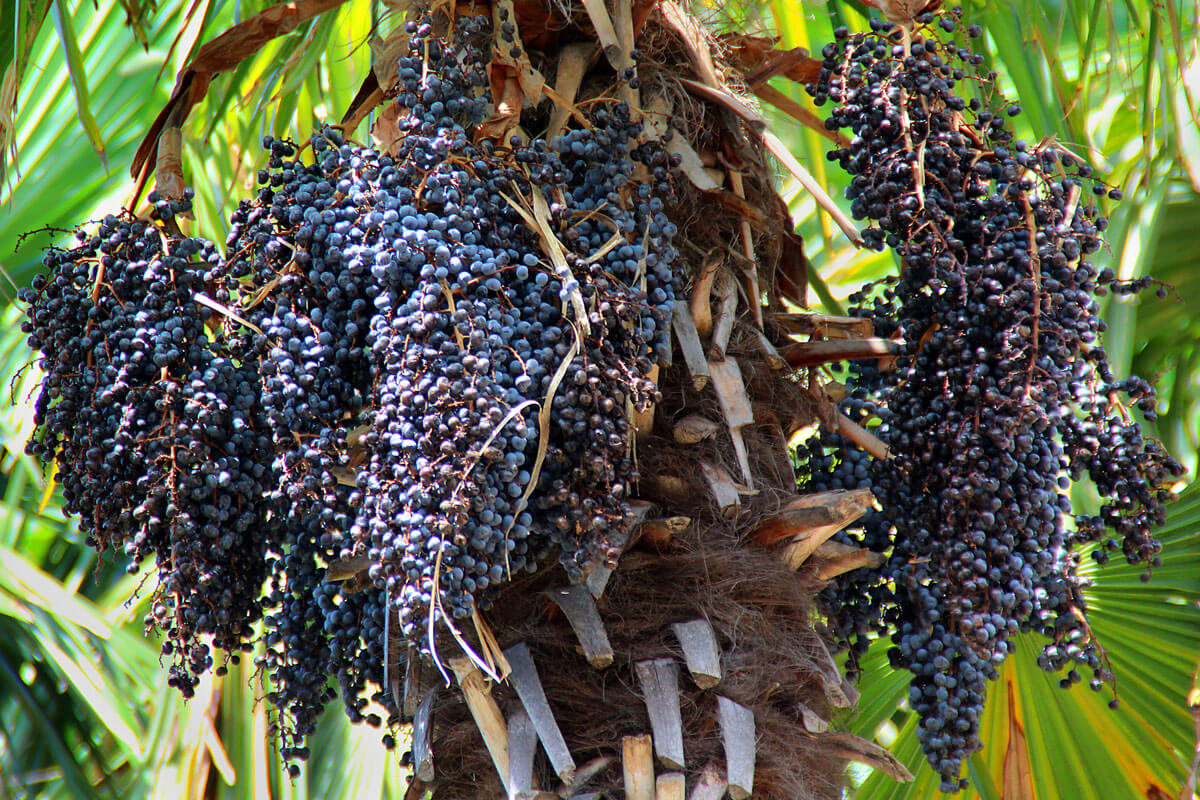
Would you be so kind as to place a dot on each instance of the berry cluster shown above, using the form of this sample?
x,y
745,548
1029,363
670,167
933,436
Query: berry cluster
x,y
155,430
422,360
1002,395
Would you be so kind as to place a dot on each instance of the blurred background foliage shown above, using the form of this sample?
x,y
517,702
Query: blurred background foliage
x,y
84,710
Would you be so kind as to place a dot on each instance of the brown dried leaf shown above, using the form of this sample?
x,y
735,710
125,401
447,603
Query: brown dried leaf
x,y
386,54
344,569
169,164
642,9
757,57
812,354
903,12
245,39
398,8
379,82
695,39
835,392
809,520
791,273
830,565
1018,773
385,133
862,437
813,722
747,51
725,99
541,27
506,85
748,272
794,63
656,534
8,108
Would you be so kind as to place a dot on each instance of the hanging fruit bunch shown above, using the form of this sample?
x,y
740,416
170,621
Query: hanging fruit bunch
x,y
1001,397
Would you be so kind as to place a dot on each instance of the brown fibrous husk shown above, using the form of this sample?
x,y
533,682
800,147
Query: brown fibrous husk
x,y
761,612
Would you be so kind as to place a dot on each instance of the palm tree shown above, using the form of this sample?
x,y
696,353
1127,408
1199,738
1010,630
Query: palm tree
x,y
1107,80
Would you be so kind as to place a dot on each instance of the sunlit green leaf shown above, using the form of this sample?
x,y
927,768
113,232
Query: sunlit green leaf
x,y
83,100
